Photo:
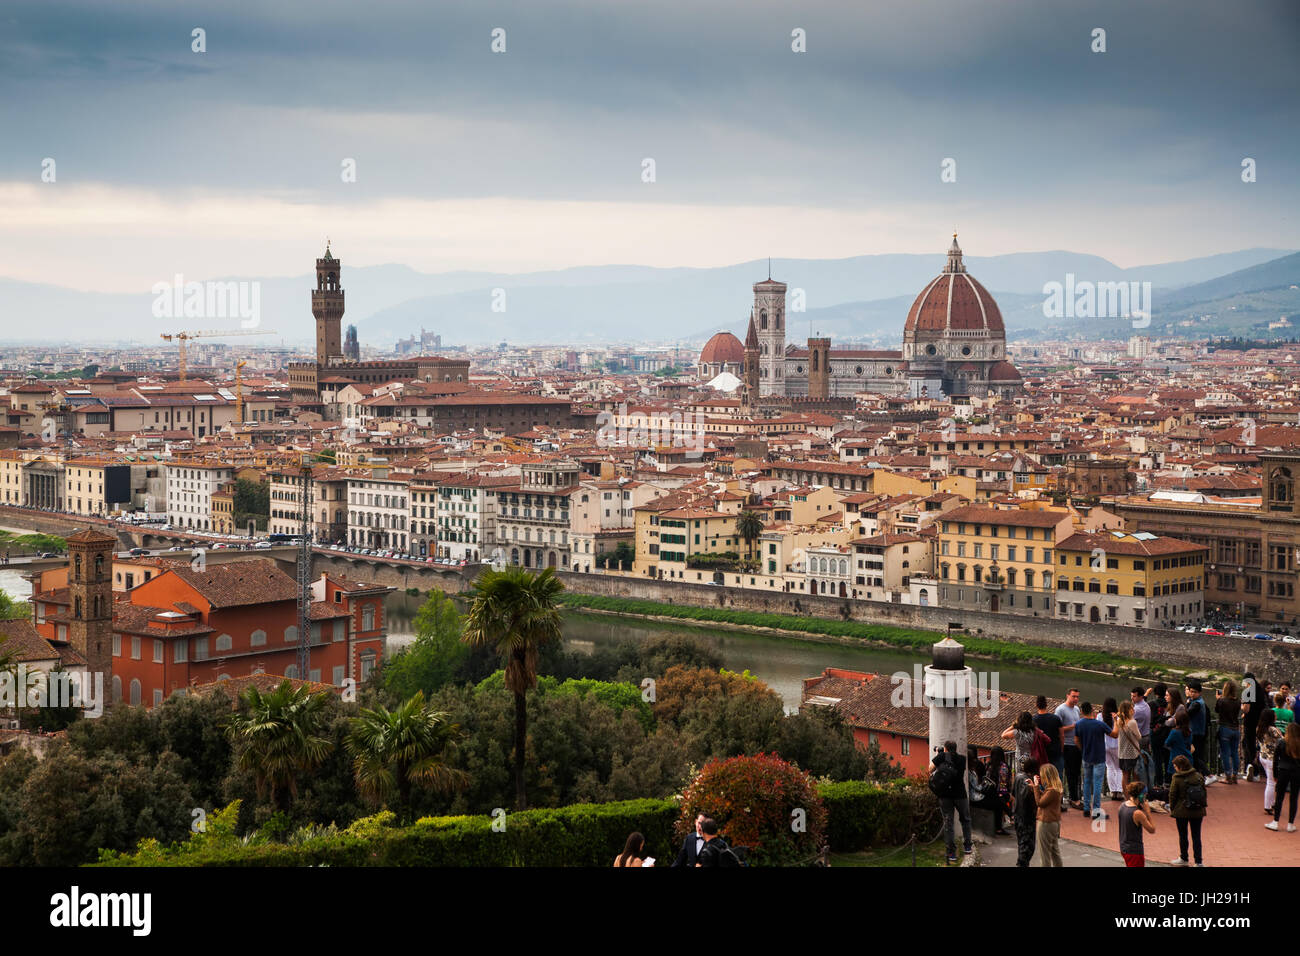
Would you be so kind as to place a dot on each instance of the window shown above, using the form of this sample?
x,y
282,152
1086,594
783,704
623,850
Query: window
x,y
117,645
157,697
368,617
224,643
257,638
291,634
157,651
907,746
135,649
340,629
135,692
180,647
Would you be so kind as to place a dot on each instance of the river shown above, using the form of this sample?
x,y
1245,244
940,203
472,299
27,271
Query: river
x,y
781,662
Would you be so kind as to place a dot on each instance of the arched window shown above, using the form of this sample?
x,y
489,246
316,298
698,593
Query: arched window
x,y
76,563
291,671
99,566
135,692
291,634
224,642
257,638
762,318
117,689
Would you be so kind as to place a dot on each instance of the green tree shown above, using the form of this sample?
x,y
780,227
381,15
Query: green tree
x,y
749,525
397,750
252,502
516,612
277,736
434,658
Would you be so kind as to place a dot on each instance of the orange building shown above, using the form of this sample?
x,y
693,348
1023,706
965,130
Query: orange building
x,y
184,627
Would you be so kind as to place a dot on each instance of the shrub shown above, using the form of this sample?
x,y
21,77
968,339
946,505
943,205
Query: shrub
x,y
757,802
864,814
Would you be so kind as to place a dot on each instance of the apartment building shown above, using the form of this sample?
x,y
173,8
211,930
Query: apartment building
x,y
96,486
532,524
996,559
1117,577
379,513
190,487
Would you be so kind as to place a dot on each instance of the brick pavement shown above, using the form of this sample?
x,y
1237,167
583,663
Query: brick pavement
x,y
1232,834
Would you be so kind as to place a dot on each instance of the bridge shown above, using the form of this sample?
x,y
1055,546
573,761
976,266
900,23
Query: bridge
x,y
392,572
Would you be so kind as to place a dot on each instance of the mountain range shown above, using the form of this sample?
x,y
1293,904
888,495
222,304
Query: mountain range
x,y
864,298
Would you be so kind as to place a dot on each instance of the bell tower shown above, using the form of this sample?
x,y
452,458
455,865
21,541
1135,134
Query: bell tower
x,y
327,307
90,592
769,316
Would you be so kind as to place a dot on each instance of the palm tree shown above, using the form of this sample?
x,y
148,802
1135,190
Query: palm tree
x,y
515,613
749,525
396,750
280,734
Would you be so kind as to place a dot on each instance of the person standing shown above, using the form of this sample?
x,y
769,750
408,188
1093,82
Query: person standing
x,y
1286,772
1142,714
1198,721
1025,813
633,852
1268,737
1129,741
1048,793
1284,714
1187,800
716,851
1228,709
1159,732
1091,735
1023,732
1068,713
1134,817
1047,721
1114,776
952,796
691,846
1252,705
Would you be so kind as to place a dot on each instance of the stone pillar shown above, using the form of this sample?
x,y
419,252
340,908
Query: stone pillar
x,y
947,692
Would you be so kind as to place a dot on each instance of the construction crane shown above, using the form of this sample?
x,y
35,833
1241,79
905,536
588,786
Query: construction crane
x,y
182,337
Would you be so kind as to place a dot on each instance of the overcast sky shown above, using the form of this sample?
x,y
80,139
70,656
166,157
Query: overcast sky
x,y
228,162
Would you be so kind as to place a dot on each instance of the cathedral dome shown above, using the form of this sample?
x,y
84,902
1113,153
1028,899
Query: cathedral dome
x,y
1004,372
954,301
723,349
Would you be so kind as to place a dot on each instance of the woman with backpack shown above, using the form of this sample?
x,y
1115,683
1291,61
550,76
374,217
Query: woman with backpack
x,y
1286,771
1187,802
1267,737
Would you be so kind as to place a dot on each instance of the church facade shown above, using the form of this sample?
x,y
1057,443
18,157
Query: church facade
x,y
954,343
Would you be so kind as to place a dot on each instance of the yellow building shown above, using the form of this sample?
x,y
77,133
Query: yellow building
x,y
96,486
1116,577
999,560
11,477
668,534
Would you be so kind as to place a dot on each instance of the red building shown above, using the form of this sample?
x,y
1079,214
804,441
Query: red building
x,y
892,714
184,627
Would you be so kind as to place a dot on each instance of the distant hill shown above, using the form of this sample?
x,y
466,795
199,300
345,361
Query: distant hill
x,y
858,297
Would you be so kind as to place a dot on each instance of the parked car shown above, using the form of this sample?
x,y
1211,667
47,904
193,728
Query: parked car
x,y
1213,633
1288,639
136,552
262,545
1237,633
1263,637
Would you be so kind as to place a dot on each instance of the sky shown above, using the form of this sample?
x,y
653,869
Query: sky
x,y
231,161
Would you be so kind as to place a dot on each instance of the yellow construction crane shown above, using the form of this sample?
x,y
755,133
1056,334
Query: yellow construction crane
x,y
183,337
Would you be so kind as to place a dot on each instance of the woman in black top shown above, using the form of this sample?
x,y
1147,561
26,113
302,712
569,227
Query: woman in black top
x,y
1252,707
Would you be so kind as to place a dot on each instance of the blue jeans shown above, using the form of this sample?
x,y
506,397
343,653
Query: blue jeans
x,y
1094,779
1229,738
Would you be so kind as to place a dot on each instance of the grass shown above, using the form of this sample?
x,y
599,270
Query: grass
x,y
930,854
907,638
32,542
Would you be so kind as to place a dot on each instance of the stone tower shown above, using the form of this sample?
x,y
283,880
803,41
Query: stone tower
x,y
327,307
749,370
90,592
819,368
351,347
769,315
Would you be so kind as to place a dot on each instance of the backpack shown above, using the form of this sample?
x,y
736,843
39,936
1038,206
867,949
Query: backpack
x,y
1195,797
726,854
1038,750
945,779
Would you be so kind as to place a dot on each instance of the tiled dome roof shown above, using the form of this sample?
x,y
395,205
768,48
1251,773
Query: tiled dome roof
x,y
723,348
954,300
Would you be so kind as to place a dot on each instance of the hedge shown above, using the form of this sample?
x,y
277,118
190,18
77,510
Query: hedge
x,y
860,815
